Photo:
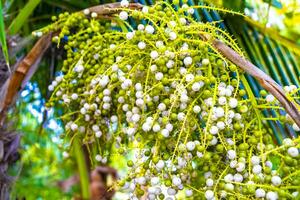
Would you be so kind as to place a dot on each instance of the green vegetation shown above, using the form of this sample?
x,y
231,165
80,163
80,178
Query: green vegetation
x,y
154,93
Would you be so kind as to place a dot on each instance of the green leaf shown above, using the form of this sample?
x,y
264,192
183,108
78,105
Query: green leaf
x,y
2,34
22,17
82,169
275,161
236,5
69,5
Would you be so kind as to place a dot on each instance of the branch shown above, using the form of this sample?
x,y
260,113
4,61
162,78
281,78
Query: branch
x,y
109,9
265,80
32,59
28,66
112,8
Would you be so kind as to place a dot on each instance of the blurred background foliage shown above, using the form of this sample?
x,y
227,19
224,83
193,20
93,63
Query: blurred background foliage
x,y
283,16
41,165
271,23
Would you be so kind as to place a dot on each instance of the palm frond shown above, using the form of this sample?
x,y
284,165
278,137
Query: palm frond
x,y
22,17
3,35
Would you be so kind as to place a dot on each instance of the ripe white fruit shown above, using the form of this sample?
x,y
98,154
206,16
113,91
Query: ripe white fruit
x,y
257,169
187,61
123,15
65,154
272,196
129,35
98,134
237,116
94,15
233,164
83,111
114,119
130,131
124,3
199,154
222,101
205,61
270,98
149,29
169,127
170,64
238,178
189,77
220,112
288,142
214,130
190,146
141,27
79,68
154,180
146,127
276,180
145,9
209,195
196,109
138,87
233,102
162,107
184,98
209,182
141,45
188,193
96,56
182,21
269,164
229,186
296,127
156,128
98,157
106,92
214,141
172,36
141,180
231,154
295,194
180,116
139,102
228,92
95,128
159,44
153,68
74,96
154,54
182,70
135,118
121,100
106,99
171,191
74,127
50,88
159,76
86,11
172,24
165,132
220,125
255,160
260,193
293,151
196,86
228,178
176,181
